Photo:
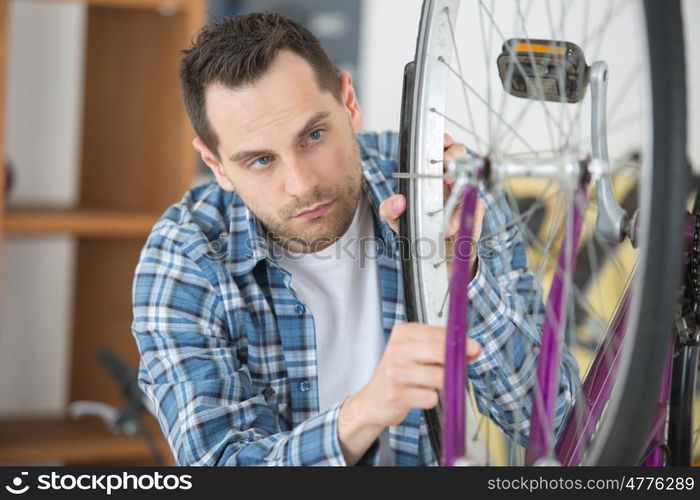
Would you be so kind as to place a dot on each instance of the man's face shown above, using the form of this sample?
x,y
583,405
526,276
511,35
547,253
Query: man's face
x,y
289,150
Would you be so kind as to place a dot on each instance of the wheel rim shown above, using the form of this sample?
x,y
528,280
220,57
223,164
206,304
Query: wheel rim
x,y
435,64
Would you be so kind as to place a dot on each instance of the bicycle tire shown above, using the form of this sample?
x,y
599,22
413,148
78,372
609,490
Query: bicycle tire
x,y
630,411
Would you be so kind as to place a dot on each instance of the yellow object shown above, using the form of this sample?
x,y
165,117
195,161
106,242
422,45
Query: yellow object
x,y
540,48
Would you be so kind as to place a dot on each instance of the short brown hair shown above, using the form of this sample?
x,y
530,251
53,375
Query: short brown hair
x,y
237,51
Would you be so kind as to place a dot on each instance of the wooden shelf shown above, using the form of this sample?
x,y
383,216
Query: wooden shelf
x,y
78,222
74,442
165,6
135,160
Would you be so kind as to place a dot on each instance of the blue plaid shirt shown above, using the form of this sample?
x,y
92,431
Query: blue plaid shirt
x,y
228,355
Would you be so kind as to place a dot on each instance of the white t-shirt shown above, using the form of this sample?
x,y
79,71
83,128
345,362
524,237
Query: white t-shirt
x,y
340,286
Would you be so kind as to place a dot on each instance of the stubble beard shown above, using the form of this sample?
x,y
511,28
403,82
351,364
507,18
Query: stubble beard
x,y
316,234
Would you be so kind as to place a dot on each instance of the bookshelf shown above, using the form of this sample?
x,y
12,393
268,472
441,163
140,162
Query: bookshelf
x,y
136,159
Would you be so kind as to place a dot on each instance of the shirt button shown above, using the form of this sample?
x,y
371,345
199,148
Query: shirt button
x,y
304,386
299,309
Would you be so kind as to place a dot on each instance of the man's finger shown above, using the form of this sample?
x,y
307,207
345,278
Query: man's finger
x,y
473,349
477,224
456,151
448,141
391,209
454,223
479,218
452,150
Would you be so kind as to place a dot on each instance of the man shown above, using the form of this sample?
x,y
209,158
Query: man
x,y
262,341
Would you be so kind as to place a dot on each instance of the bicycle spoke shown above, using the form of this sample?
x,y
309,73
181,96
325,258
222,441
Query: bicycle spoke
x,y
600,32
517,122
456,124
441,312
538,81
507,83
487,61
514,60
560,70
524,217
461,77
491,110
623,92
545,250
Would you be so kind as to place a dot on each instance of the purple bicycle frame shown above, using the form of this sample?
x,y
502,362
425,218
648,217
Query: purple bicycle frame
x,y
583,416
598,383
454,426
544,393
658,428
581,420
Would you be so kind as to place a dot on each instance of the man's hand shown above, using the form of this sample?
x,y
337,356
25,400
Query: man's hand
x,y
411,372
409,375
394,206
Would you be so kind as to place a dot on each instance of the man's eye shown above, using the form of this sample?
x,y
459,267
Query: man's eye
x,y
316,135
263,161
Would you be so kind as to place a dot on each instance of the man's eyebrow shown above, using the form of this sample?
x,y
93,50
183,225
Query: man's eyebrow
x,y
313,121
242,155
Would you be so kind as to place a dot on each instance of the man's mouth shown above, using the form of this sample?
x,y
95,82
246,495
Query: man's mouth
x,y
315,211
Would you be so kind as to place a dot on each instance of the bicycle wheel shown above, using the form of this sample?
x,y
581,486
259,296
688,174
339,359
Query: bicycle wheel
x,y
523,84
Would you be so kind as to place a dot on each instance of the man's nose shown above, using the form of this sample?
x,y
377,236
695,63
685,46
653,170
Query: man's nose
x,y
300,178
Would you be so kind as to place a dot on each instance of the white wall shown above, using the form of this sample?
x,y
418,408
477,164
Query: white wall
x,y
388,42
36,314
44,100
43,117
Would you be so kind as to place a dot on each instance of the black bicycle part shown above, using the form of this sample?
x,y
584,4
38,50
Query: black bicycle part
x,y
432,416
685,361
663,263
130,419
680,426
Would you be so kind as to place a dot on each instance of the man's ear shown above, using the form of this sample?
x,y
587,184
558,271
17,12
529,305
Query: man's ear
x,y
350,102
213,163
